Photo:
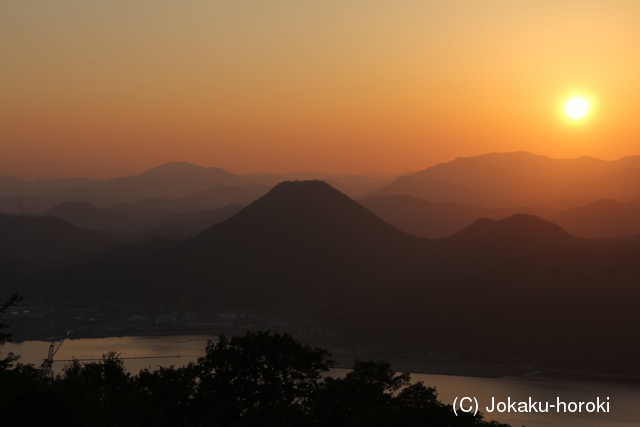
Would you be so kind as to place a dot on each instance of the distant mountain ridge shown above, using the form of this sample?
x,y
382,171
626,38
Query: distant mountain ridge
x,y
38,240
276,230
83,214
172,180
495,180
169,181
422,218
495,186
601,219
175,168
519,290
499,180
216,197
146,224
516,229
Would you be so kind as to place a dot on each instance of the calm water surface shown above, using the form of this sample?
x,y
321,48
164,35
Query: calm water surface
x,y
150,352
137,352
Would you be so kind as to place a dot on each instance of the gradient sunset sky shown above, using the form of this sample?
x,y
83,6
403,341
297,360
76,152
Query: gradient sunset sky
x,y
111,88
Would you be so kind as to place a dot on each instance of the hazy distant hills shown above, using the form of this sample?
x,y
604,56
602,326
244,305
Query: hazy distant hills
x,y
635,202
513,231
145,224
522,179
516,290
508,181
196,220
604,219
601,219
11,186
46,239
298,244
168,181
427,219
176,180
517,278
86,215
216,197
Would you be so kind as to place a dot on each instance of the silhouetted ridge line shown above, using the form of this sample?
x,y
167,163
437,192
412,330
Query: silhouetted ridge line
x,y
604,218
175,168
46,239
501,180
516,227
305,208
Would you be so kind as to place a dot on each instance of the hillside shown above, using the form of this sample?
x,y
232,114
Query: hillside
x,y
433,220
500,180
533,293
46,239
601,219
213,198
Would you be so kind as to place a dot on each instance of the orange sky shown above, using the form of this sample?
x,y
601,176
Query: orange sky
x,y
104,89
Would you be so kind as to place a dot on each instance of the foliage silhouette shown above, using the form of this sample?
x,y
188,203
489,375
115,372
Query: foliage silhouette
x,y
255,380
7,361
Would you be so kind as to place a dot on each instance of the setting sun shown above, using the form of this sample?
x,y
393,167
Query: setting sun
x,y
577,107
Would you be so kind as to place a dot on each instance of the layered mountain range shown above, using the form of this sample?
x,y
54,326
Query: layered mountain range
x,y
179,186
502,180
586,196
519,290
502,284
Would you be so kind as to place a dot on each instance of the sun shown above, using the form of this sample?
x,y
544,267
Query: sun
x,y
577,107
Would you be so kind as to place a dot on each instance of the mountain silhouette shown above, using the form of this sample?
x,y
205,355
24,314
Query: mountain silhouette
x,y
427,219
522,179
175,168
304,207
216,197
519,290
298,244
173,180
305,240
37,240
423,218
495,180
601,219
141,225
86,215
353,185
10,186
517,229
166,181
433,190
181,225
158,182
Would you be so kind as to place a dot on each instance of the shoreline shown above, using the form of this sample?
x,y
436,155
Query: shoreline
x,y
345,360
450,368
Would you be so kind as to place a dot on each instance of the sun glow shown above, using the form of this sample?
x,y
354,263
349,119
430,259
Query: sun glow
x,y
577,107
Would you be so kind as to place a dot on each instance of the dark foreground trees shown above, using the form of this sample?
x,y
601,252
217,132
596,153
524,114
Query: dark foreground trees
x,y
7,361
260,379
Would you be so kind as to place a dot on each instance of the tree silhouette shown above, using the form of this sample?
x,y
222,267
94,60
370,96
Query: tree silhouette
x,y
260,379
7,361
261,376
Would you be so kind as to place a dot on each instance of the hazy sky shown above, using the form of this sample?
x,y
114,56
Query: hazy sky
x,y
106,88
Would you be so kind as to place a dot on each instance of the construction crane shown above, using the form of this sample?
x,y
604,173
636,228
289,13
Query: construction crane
x,y
47,365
